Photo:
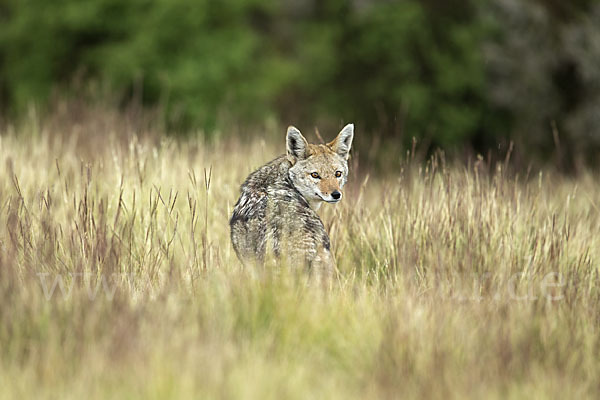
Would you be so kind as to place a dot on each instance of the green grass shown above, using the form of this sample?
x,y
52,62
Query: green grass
x,y
434,263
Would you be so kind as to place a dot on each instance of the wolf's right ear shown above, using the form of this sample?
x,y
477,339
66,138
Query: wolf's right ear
x,y
297,146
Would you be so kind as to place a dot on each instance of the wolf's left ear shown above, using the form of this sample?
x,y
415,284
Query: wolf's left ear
x,y
342,143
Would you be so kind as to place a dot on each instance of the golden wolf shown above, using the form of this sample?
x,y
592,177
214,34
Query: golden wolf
x,y
276,212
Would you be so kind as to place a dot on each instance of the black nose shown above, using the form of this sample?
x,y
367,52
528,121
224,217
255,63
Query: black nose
x,y
336,195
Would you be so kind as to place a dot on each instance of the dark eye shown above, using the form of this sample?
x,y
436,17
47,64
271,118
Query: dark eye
x,y
338,174
315,175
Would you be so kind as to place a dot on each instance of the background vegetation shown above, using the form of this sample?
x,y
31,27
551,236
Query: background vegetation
x,y
454,74
117,279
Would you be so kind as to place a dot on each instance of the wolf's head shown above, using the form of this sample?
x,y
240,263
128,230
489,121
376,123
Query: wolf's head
x,y
319,171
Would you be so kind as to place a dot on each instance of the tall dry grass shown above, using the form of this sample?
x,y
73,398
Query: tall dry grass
x,y
117,278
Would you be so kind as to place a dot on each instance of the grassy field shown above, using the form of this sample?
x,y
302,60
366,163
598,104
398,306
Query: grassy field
x,y
117,278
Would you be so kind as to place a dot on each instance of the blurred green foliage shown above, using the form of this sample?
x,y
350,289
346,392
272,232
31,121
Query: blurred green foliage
x,y
449,72
543,69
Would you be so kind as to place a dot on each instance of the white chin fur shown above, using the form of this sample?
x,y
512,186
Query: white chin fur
x,y
330,200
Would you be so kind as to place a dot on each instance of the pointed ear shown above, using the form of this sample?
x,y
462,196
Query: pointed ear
x,y
297,146
342,143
